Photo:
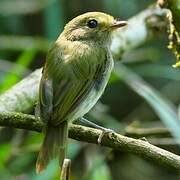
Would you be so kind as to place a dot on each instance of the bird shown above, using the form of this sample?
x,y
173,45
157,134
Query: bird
x,y
76,72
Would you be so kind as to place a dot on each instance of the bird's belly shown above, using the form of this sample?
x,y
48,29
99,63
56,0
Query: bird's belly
x,y
92,97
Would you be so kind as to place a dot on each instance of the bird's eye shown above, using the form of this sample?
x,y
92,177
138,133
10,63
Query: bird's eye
x,y
92,23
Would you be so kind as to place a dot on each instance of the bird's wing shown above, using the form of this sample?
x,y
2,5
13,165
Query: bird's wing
x,y
45,104
69,98
61,92
46,90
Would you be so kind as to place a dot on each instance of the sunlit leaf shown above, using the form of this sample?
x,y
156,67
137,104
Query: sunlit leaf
x,y
5,150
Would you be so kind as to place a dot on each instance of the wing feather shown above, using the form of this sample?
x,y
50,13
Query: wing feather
x,y
65,87
46,99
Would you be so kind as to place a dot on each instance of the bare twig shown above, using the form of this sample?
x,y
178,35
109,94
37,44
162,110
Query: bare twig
x,y
66,170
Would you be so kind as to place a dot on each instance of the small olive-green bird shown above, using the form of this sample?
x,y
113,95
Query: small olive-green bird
x,y
76,72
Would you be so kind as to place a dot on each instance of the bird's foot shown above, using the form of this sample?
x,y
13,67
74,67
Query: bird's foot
x,y
104,131
91,124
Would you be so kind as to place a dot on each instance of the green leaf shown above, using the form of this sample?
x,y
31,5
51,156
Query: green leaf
x,y
51,172
74,148
4,155
20,163
23,61
53,17
98,168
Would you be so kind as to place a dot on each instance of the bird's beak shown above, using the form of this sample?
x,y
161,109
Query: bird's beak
x,y
118,24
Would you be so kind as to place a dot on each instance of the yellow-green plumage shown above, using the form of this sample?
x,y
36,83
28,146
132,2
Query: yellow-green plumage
x,y
74,77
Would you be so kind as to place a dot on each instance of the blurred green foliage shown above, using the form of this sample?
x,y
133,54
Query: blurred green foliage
x,y
144,89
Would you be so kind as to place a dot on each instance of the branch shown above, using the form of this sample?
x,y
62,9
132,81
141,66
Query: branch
x,y
23,95
147,132
90,135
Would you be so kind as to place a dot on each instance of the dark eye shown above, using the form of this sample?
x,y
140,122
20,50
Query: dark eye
x,y
92,23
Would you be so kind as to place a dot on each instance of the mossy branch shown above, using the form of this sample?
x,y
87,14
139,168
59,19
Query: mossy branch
x,y
113,140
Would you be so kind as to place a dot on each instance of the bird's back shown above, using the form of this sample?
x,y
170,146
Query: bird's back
x,y
79,77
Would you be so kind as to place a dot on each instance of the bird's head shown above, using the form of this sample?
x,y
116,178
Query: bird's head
x,y
92,26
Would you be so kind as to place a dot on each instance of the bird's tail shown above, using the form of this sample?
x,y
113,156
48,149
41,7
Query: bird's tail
x,y
54,145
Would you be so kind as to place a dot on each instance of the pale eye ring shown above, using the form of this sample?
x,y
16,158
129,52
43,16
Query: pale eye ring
x,y
92,23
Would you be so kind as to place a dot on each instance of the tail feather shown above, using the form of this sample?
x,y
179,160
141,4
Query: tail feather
x,y
54,144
